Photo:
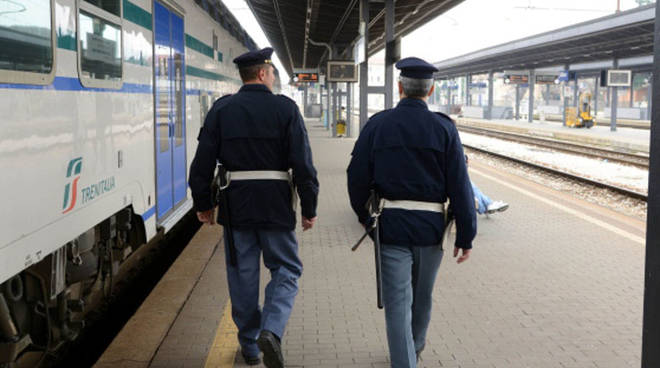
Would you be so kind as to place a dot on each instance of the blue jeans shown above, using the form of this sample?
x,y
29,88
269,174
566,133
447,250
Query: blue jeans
x,y
280,250
408,277
482,199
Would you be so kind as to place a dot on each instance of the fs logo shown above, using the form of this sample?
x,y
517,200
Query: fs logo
x,y
71,189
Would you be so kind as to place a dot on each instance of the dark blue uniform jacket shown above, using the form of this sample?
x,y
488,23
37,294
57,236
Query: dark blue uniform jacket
x,y
255,130
411,153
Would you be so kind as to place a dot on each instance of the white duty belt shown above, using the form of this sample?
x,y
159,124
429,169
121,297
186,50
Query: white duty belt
x,y
264,175
413,205
258,175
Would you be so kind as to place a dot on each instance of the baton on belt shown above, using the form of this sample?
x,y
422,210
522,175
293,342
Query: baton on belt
x,y
374,207
224,207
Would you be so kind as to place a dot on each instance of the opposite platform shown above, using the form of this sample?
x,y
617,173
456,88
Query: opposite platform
x,y
623,139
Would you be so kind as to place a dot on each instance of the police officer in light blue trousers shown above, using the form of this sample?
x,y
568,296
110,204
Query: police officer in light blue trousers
x,y
413,159
257,137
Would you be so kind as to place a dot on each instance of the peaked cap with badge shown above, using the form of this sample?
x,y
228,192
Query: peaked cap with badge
x,y
257,57
413,67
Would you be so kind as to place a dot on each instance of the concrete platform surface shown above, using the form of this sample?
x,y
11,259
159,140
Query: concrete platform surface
x,y
552,282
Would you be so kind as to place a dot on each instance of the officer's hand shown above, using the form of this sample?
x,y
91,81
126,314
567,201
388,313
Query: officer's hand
x,y
308,223
206,217
464,257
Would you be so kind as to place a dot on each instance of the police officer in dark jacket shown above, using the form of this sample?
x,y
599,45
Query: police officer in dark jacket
x,y
257,137
413,158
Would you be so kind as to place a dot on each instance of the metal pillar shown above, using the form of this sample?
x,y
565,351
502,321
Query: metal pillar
x,y
349,108
614,101
649,98
327,106
595,113
389,64
531,83
651,324
547,93
466,90
564,97
517,115
468,96
335,109
364,66
449,104
305,102
630,103
575,93
489,109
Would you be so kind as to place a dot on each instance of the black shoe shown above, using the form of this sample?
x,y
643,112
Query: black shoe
x,y
251,359
269,344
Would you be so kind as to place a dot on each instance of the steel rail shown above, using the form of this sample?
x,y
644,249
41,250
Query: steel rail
x,y
614,188
557,145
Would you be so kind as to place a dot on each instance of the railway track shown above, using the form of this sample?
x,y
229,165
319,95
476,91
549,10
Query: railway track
x,y
632,159
614,188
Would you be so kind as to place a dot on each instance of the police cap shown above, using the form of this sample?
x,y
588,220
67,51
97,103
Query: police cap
x,y
254,58
416,68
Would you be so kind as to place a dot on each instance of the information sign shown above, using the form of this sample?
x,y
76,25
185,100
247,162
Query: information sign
x,y
619,78
342,71
305,77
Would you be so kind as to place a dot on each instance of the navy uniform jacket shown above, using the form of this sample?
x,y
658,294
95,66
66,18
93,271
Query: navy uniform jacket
x,y
411,153
255,130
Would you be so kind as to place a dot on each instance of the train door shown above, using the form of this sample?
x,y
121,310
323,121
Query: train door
x,y
169,89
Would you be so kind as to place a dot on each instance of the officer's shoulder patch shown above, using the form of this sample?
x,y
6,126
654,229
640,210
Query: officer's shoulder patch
x,y
445,116
379,113
222,99
286,98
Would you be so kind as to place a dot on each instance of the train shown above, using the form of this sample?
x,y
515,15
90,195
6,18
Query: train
x,y
101,102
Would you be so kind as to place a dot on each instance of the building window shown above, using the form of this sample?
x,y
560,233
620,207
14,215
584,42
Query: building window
x,y
27,42
99,46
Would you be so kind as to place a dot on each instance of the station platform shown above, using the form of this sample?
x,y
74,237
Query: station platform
x,y
623,139
552,282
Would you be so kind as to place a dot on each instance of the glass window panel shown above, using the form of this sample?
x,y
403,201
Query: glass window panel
x,y
178,99
100,43
111,6
25,36
163,96
641,83
164,135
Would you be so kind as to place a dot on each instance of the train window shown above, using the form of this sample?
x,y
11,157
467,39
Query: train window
x,y
27,42
179,94
111,6
99,47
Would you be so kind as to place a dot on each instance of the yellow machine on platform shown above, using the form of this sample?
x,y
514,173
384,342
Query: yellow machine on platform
x,y
583,117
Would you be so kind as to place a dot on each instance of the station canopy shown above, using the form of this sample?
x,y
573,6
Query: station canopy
x,y
289,25
624,35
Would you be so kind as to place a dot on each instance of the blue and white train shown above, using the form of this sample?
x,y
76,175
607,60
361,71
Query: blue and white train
x,y
100,105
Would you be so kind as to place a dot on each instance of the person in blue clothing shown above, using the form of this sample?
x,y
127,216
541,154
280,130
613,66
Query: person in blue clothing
x,y
483,203
257,137
413,159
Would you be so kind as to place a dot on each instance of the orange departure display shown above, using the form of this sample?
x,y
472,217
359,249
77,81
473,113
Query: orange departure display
x,y
306,77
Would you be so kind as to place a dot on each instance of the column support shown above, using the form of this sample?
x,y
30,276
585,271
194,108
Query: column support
x,y
614,101
530,107
489,110
517,115
364,66
389,62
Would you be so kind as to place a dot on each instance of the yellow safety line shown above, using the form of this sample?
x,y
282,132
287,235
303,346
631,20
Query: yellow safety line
x,y
225,345
593,220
